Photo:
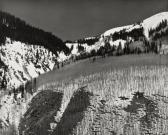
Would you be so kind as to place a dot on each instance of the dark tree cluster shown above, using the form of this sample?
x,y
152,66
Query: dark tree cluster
x,y
84,55
160,34
80,48
1,63
89,41
123,34
16,29
152,47
143,46
161,26
3,80
3,84
108,50
126,49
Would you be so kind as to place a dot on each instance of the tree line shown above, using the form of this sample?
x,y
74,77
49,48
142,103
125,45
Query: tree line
x,y
130,47
161,26
123,34
18,30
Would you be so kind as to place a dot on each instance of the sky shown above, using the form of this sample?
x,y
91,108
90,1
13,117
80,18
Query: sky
x,y
74,19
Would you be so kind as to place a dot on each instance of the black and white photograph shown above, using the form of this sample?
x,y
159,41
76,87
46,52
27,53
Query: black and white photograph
x,y
83,67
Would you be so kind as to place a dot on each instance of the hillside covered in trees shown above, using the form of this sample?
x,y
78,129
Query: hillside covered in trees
x,y
18,30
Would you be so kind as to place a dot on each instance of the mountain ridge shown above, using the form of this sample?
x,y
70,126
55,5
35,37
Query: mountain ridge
x,y
121,35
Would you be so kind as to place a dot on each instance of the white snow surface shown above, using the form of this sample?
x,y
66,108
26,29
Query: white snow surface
x,y
75,48
24,62
153,22
12,111
147,24
117,29
62,57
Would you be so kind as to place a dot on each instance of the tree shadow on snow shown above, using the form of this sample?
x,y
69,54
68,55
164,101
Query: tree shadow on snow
x,y
43,108
74,112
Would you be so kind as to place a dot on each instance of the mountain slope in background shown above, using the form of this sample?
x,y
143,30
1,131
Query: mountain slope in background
x,y
150,29
18,30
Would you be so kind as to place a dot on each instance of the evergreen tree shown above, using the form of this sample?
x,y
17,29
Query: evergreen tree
x,y
119,49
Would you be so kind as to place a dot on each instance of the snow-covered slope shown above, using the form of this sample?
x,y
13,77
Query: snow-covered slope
x,y
147,24
153,22
118,29
130,31
23,62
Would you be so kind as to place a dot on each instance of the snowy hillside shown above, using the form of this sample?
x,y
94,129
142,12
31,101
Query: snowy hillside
x,y
121,35
147,24
23,62
118,29
26,51
153,22
22,59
